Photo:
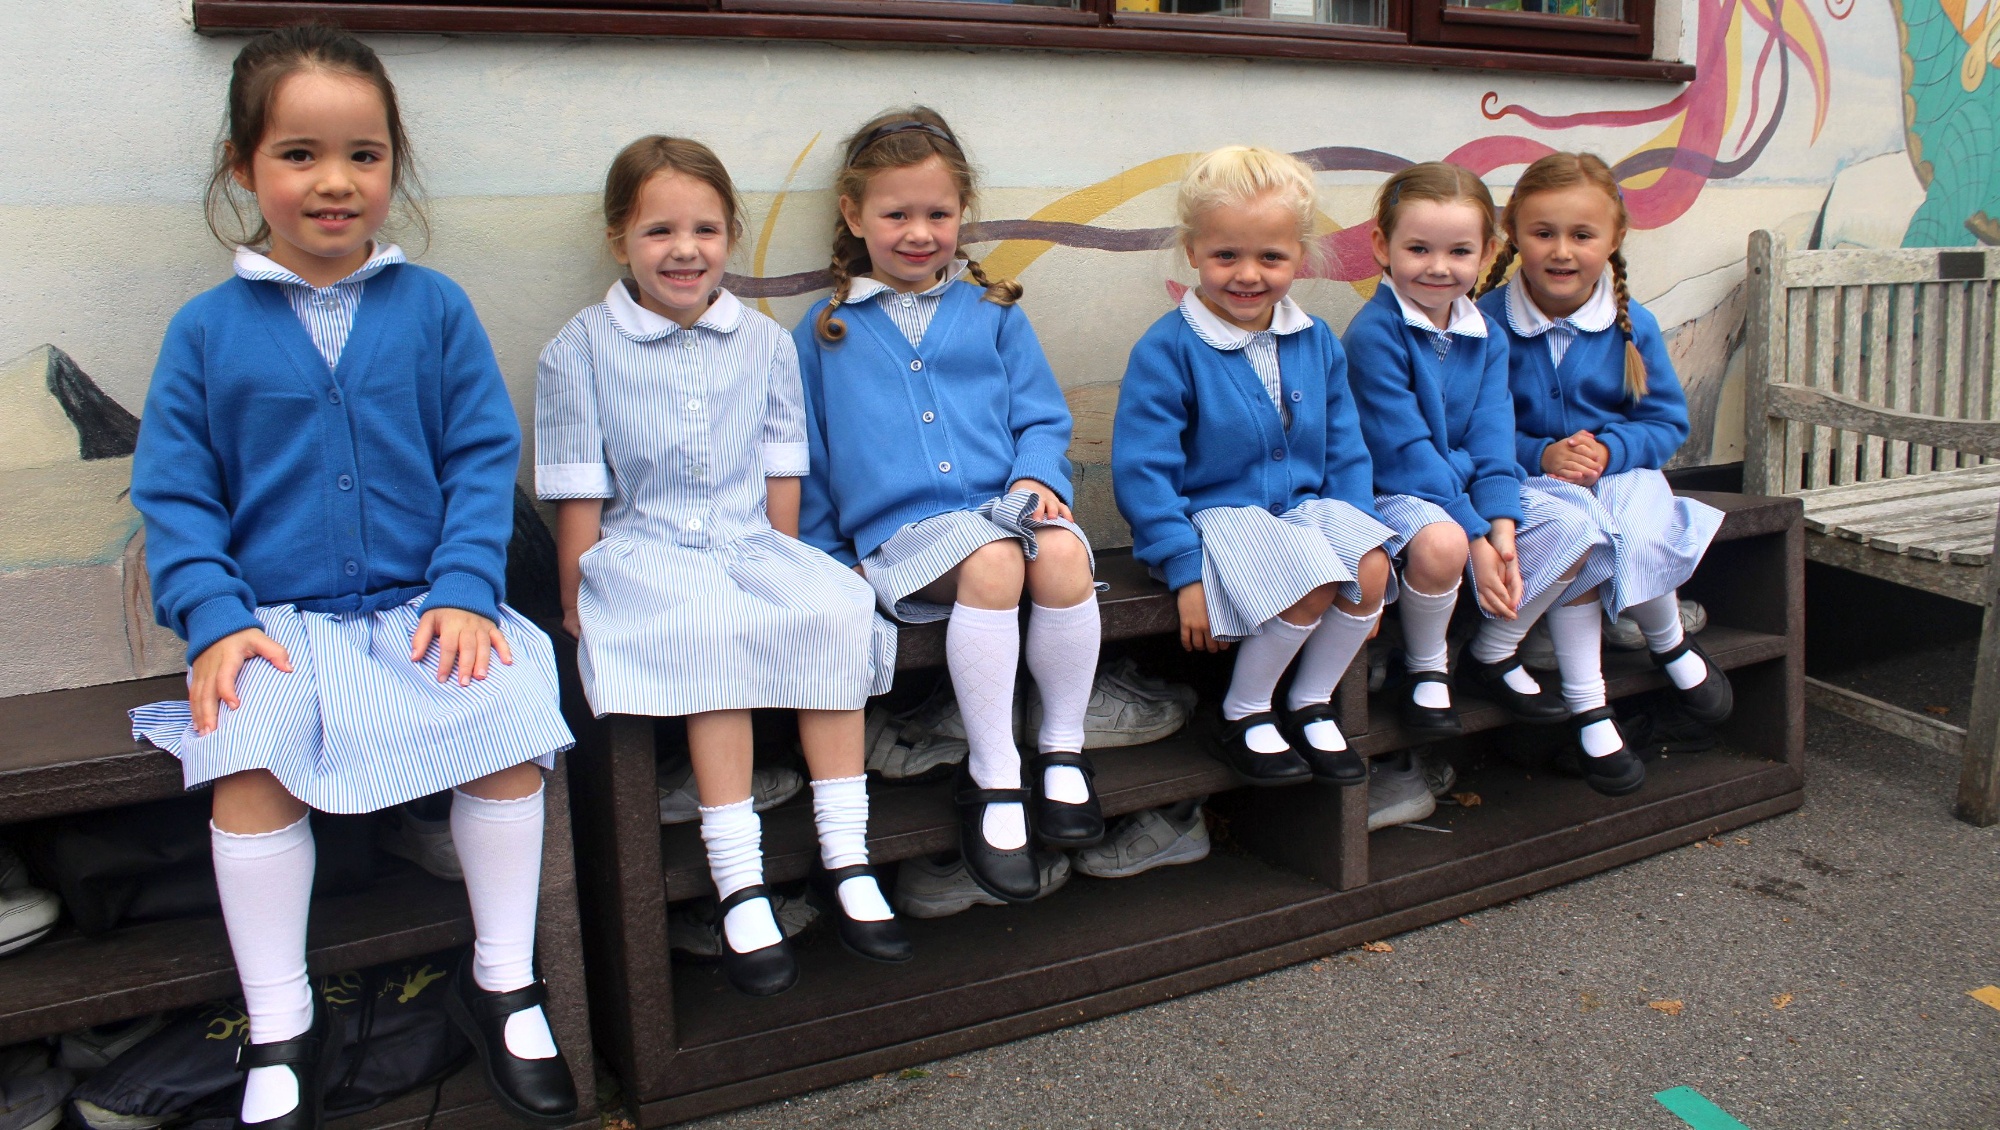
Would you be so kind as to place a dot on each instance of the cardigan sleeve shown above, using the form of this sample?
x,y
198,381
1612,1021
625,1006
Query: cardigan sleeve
x,y
1350,473
179,489
1149,461
477,462
569,441
1405,454
1036,410
1495,485
784,449
1655,427
819,522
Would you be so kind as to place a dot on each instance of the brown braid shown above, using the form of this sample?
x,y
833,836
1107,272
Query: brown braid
x,y
1635,365
1502,263
1006,292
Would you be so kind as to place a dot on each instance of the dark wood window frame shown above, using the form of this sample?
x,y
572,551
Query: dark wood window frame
x,y
1431,33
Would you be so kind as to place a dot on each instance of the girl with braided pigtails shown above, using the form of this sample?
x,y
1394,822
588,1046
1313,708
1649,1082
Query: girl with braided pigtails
x,y
1597,413
939,443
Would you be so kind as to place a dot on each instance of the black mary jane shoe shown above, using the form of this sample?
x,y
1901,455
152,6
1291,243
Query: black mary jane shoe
x,y
1263,770
1009,874
1543,708
1060,824
1429,722
876,941
762,972
535,1091
308,1057
1329,767
1709,701
1614,774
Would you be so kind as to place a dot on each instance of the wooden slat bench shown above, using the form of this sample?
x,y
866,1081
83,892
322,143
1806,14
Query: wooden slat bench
x,y
1300,876
1873,380
71,751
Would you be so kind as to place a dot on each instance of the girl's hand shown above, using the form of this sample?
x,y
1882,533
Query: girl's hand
x,y
213,678
1578,459
1499,577
462,638
1051,506
572,624
1193,606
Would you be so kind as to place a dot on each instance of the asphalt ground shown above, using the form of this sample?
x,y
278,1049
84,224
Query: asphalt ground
x,y
1808,971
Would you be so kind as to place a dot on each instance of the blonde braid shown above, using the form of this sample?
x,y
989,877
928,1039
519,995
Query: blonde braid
x,y
830,328
1635,365
1006,292
1501,263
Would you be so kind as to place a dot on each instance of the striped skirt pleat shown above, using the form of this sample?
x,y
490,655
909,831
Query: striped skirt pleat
x,y
1656,537
1553,535
921,552
1256,564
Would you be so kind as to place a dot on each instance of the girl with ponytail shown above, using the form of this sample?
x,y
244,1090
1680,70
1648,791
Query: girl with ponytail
x,y
1597,413
940,471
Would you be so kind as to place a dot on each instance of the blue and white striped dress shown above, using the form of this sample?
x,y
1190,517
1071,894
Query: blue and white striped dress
x,y
691,602
1656,538
1255,564
1554,532
356,726
921,552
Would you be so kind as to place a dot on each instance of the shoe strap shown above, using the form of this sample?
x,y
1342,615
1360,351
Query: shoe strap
x,y
993,796
499,1006
299,1051
1044,761
1687,644
1231,731
738,898
1315,712
1429,677
1593,716
838,875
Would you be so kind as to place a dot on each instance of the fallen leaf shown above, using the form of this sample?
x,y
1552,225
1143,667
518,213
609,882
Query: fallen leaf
x,y
1743,841
1465,922
1940,711
1781,1000
1591,1002
1671,1008
1468,800
1701,843
956,1075
913,1073
619,1124
1378,947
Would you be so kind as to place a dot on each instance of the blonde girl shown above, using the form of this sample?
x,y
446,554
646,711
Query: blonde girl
x,y
940,471
669,426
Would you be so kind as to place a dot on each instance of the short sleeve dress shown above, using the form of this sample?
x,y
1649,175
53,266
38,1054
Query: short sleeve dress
x,y
690,601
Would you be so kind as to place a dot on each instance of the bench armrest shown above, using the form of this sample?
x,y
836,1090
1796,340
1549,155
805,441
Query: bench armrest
x,y
1834,410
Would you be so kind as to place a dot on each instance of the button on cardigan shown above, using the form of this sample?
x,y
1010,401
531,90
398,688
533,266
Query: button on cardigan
x,y
248,437
899,433
1195,429
1439,429
1587,392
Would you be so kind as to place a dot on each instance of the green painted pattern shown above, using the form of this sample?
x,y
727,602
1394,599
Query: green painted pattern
x,y
1954,134
1691,1107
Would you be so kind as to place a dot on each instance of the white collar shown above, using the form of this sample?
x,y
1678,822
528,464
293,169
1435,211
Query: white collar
x,y
1466,320
1596,314
258,267
1286,318
640,324
866,287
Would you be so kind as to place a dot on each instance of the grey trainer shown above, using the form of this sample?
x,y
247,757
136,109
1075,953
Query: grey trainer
x,y
1397,793
1143,841
426,843
691,929
1439,776
34,1102
928,889
680,802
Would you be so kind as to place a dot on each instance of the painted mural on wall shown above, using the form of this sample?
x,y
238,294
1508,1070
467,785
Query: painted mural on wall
x,y
1951,104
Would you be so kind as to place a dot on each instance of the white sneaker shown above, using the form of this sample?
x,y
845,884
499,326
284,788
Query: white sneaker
x,y
680,801
34,1102
1439,776
1623,634
1145,840
13,870
906,748
97,1118
426,843
925,889
91,1050
27,914
1126,708
691,929
1397,793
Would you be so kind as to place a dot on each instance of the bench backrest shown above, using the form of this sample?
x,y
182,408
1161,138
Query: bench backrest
x,y
1862,364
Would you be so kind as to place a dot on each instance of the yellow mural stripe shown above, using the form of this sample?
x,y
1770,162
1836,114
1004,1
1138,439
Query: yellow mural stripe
x,y
1011,257
771,222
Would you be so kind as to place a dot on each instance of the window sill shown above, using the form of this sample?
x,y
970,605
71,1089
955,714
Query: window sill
x,y
1053,28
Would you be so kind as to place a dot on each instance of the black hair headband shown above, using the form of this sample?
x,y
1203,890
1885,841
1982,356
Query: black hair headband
x,y
906,126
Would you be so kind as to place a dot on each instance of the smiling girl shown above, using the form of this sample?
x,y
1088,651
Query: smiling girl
x,y
940,471
1236,459
1430,380
669,427
1597,413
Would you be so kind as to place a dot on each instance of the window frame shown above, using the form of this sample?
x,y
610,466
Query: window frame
x,y
1418,33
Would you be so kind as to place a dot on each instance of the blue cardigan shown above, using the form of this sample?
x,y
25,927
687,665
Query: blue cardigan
x,y
897,435
1442,431
1196,429
265,478
1587,393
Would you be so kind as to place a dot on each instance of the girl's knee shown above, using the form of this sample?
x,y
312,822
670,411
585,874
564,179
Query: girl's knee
x,y
1437,554
511,783
253,802
994,561
1373,577
1312,605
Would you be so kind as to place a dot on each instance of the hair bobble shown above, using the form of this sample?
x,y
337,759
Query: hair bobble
x,y
880,132
1395,194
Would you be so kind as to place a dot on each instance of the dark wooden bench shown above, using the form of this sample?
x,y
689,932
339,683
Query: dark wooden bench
x,y
71,751
1303,879
1874,377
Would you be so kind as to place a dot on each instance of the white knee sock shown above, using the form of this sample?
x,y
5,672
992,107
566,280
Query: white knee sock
x,y
1499,640
1322,661
1062,657
734,838
1260,662
499,846
1426,617
840,814
1577,630
265,881
1660,619
982,647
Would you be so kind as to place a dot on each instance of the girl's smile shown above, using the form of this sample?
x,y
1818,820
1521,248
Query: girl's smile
x,y
1564,238
676,244
322,174
1247,255
909,217
1435,255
